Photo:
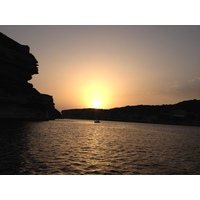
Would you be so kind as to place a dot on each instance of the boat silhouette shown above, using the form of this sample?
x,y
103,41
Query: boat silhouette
x,y
96,119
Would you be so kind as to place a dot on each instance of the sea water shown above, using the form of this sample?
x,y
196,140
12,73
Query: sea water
x,y
83,147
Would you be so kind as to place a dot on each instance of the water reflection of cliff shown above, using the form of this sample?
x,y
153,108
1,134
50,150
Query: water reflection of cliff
x,y
18,98
183,113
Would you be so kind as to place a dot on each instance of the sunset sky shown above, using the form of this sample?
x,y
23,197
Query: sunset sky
x,y
113,66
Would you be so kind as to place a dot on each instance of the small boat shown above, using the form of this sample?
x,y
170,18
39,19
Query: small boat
x,y
96,118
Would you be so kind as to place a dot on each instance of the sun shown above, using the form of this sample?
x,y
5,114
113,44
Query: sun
x,y
95,94
96,104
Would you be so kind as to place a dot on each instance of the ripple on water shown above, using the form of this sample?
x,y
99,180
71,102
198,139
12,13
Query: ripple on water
x,y
82,147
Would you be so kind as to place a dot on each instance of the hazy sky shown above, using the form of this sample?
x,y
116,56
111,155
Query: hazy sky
x,y
113,65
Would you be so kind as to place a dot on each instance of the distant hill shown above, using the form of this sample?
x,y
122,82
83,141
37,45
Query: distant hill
x,y
182,113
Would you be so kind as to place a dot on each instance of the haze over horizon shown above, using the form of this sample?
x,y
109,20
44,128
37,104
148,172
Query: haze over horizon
x,y
113,66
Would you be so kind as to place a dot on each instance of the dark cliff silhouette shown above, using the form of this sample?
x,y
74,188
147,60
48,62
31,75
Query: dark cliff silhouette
x,y
18,98
183,113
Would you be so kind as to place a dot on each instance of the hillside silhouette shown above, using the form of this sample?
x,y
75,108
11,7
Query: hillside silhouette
x,y
182,113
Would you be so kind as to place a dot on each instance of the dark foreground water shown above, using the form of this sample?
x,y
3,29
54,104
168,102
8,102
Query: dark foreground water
x,y
83,147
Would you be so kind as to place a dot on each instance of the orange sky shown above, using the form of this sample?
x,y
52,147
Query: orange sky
x,y
113,65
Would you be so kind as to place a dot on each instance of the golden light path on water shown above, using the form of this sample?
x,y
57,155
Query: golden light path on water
x,y
67,147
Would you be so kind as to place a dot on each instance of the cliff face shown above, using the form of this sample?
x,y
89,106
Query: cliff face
x,y
18,98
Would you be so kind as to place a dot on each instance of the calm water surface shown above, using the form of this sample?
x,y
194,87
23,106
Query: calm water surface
x,y
83,147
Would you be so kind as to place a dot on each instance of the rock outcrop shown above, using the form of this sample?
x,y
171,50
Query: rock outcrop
x,y
18,98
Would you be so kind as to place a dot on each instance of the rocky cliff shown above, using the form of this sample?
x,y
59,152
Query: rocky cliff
x,y
18,98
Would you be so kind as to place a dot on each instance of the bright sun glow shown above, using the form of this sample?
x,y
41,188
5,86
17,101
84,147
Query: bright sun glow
x,y
96,104
95,95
